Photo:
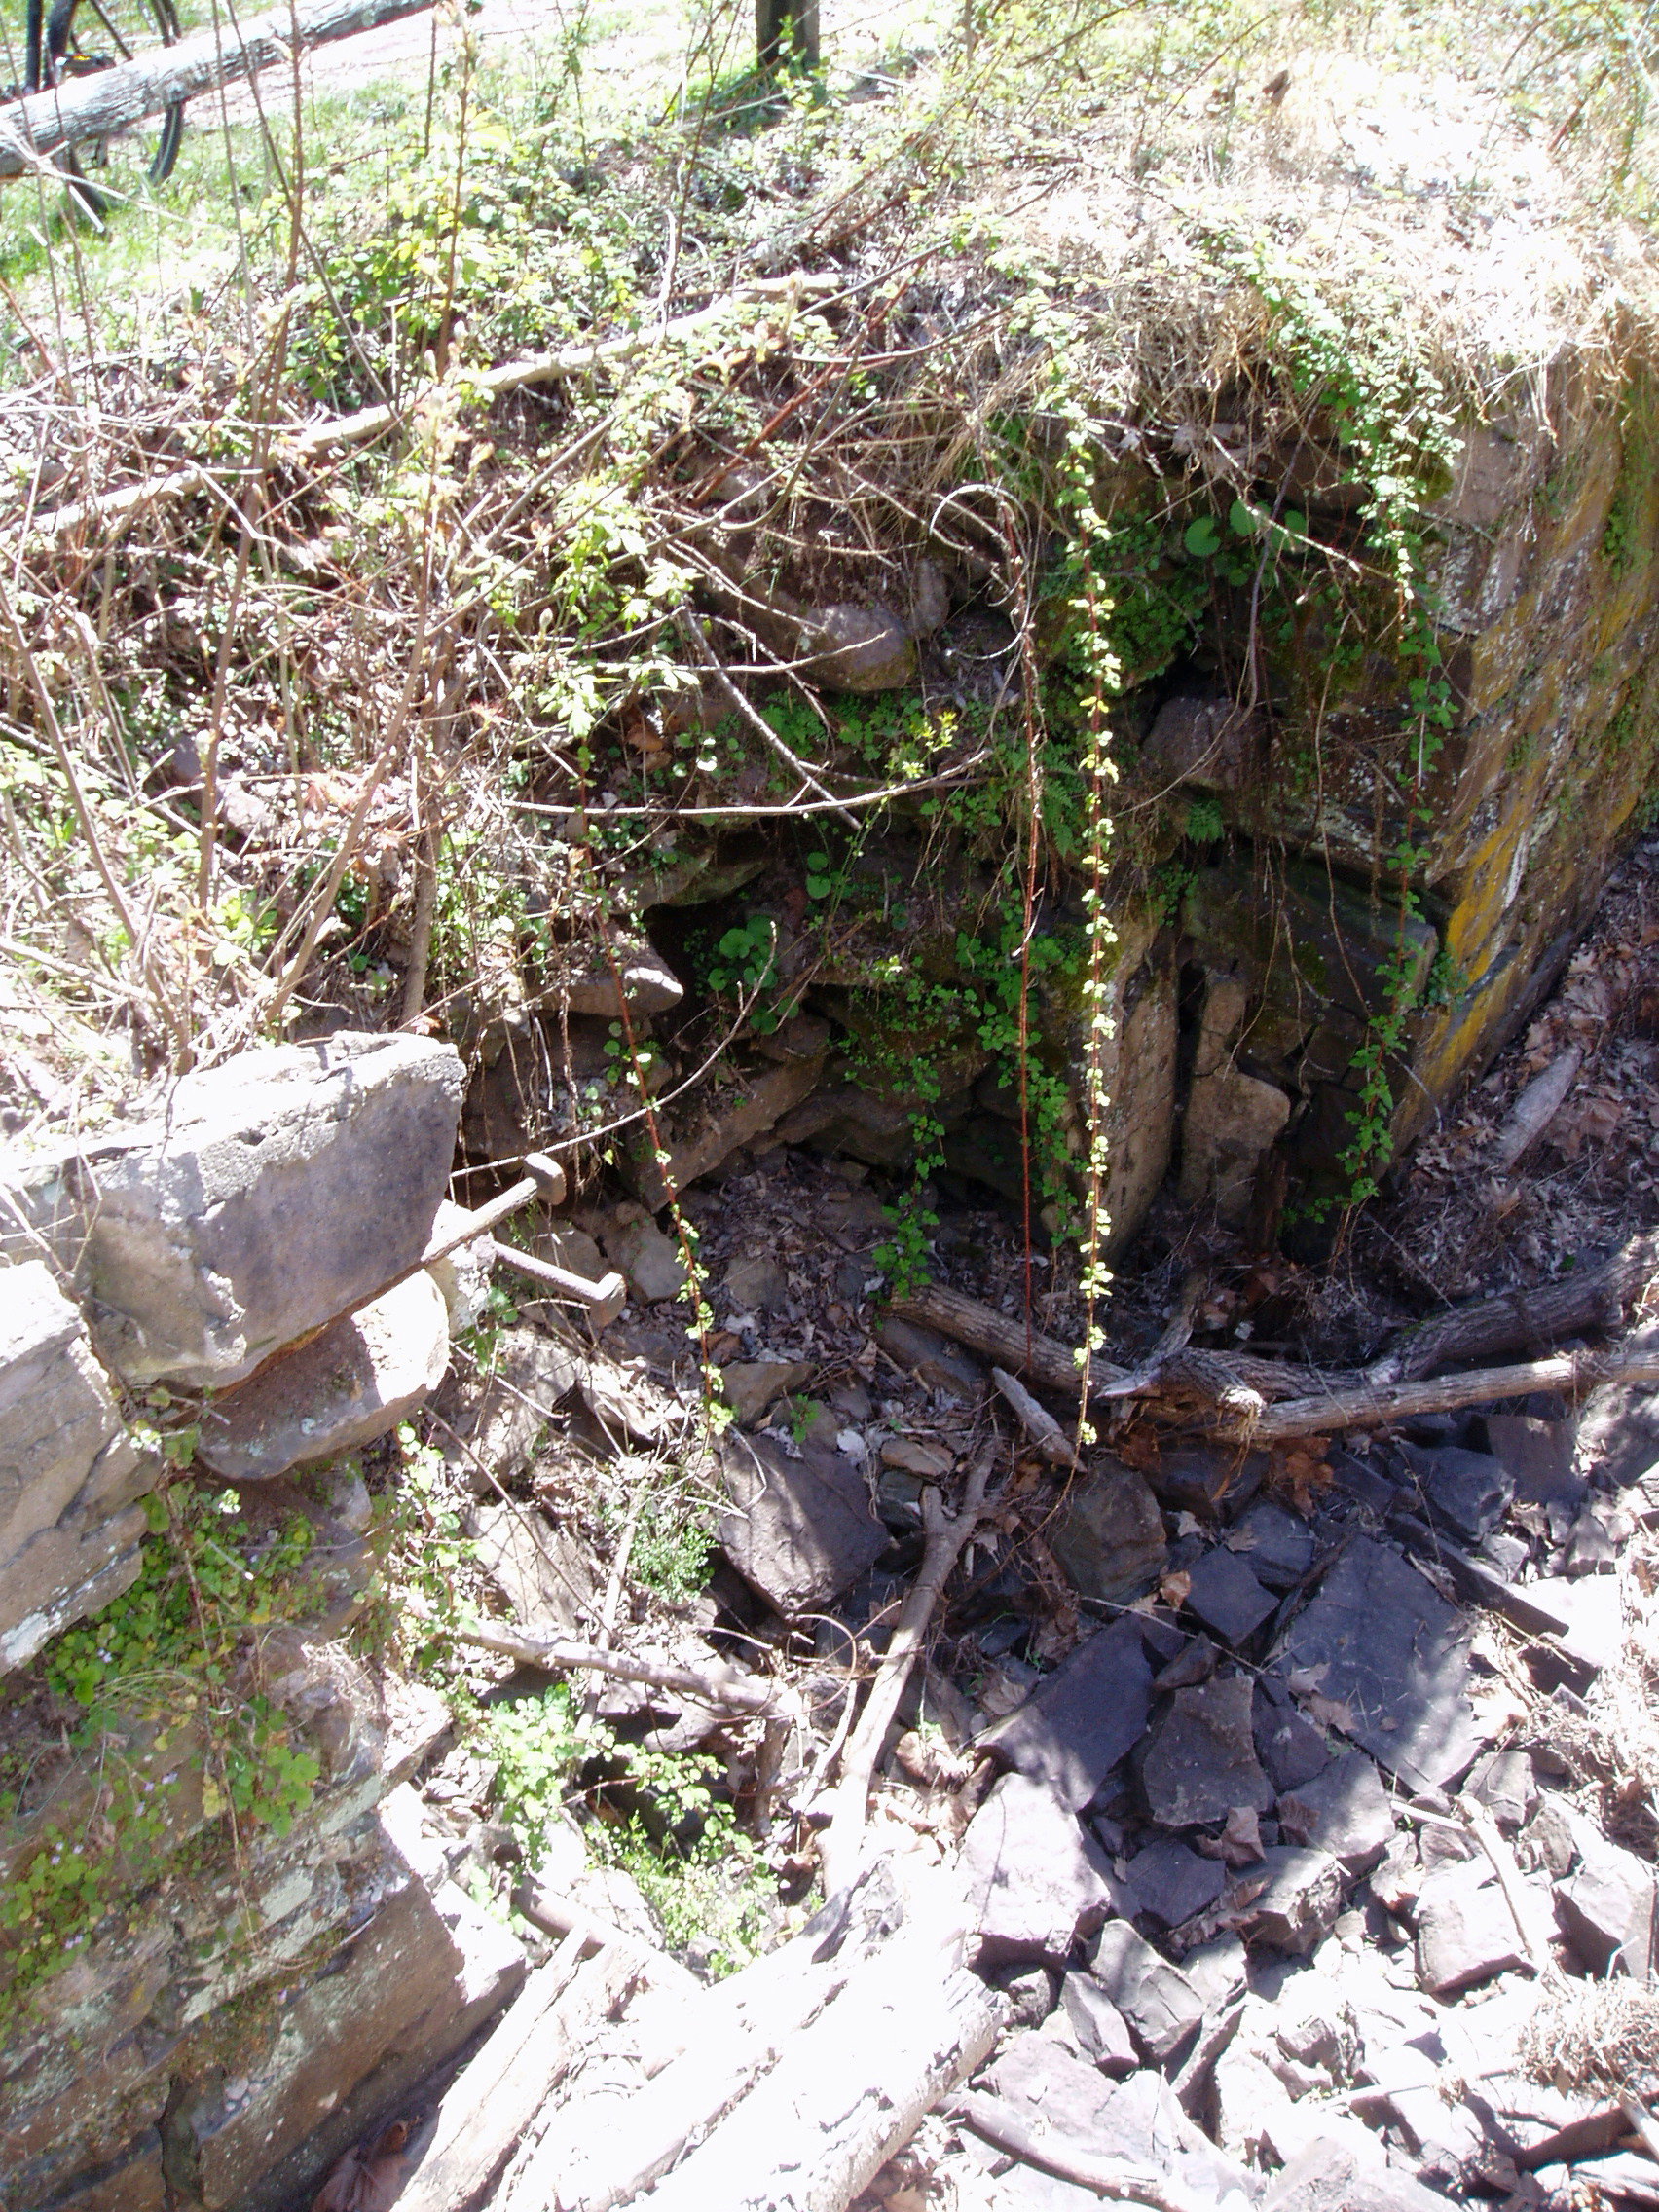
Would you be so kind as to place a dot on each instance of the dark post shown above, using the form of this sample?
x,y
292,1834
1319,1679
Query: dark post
x,y
801,18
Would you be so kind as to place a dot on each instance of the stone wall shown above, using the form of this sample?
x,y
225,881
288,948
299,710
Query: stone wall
x,y
201,2009
1262,936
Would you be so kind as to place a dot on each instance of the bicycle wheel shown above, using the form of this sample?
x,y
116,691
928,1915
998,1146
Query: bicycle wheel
x,y
85,36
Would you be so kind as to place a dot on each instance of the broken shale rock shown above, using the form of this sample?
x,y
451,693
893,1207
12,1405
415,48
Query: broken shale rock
x,y
1227,1597
353,1382
1392,1657
1201,1762
1605,1904
1135,2123
1465,1930
1081,1719
1108,1535
1033,1884
798,1531
1297,1904
282,1188
1160,2004
1342,1810
69,1475
1335,2175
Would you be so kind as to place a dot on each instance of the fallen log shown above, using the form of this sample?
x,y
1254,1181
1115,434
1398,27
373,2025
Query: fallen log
x,y
494,2098
553,1655
850,2088
1021,1350
1054,1365
1526,1320
98,105
1373,1405
578,2172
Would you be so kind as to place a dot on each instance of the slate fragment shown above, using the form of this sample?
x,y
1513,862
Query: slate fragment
x,y
797,1530
1033,1884
1136,2122
1465,1930
1289,1746
1395,1655
1298,1905
1538,1457
1170,1883
1201,1762
1081,1719
1467,1493
1280,1547
1344,1810
1227,1597
1158,2001
1334,2176
1102,2033
1605,1904
1108,1535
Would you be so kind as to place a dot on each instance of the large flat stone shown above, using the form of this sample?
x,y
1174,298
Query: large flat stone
x,y
1393,1656
1337,2176
1202,1761
278,1191
1081,1720
353,1382
1108,1535
70,1474
797,1530
1344,1810
1033,1884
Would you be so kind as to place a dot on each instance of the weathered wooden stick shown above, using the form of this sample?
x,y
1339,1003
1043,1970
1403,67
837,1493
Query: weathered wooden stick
x,y
495,2098
552,1655
1038,1422
1373,1405
1526,1321
842,1845
98,105
573,361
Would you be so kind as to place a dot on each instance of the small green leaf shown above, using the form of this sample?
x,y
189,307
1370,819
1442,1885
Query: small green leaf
x,y
1201,538
1243,519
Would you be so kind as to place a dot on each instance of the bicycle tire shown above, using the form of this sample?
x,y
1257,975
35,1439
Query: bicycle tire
x,y
150,149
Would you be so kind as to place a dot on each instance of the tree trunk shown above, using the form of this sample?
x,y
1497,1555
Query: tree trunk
x,y
495,2098
1526,1321
98,105
1373,1405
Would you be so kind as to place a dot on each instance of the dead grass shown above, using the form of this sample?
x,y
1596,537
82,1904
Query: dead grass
x,y
1595,2035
